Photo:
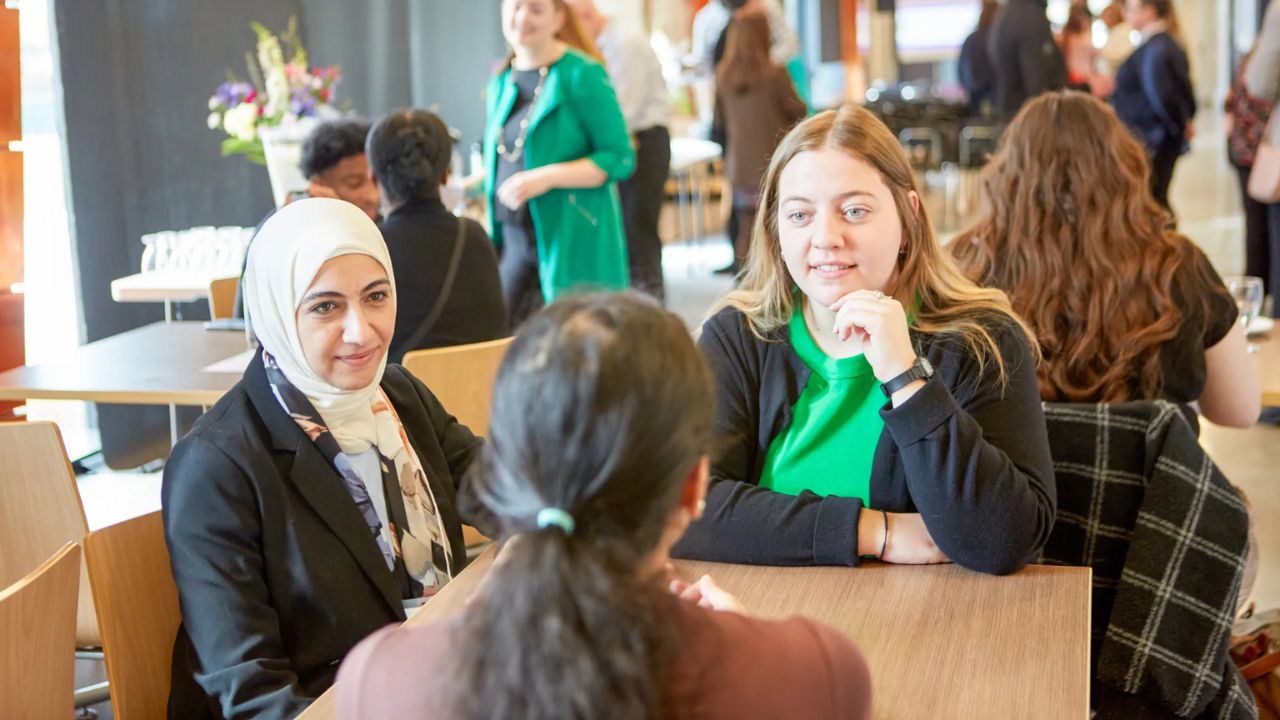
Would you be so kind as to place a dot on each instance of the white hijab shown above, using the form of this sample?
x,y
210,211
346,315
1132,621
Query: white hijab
x,y
284,258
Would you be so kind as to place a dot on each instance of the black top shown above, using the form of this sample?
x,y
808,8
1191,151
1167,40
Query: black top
x,y
968,454
1153,94
420,238
1026,58
277,573
526,82
1207,317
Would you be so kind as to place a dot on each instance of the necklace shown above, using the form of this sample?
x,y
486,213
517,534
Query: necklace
x,y
513,155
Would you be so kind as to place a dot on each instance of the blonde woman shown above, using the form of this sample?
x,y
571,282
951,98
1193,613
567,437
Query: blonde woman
x,y
871,400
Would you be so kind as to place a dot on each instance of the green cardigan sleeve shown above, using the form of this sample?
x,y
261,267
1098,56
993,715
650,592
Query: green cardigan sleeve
x,y
596,106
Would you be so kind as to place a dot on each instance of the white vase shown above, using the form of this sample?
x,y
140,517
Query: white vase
x,y
282,147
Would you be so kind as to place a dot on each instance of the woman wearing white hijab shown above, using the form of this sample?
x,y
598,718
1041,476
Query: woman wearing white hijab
x,y
319,498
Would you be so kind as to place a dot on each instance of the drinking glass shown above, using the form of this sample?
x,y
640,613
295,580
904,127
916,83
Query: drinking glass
x,y
148,253
1247,292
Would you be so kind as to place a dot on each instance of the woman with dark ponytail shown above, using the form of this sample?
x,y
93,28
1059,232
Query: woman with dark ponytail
x,y
597,463
445,265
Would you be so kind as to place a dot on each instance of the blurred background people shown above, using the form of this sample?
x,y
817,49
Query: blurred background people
x,y
756,104
1244,122
977,73
1262,80
1153,93
1119,45
637,79
1026,58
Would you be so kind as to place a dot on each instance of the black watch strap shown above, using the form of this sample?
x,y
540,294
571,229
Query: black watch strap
x,y
921,369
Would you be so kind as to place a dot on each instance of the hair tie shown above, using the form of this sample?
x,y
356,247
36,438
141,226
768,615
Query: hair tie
x,y
557,517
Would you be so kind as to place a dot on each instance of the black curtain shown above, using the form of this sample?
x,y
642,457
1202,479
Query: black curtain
x,y
410,53
136,77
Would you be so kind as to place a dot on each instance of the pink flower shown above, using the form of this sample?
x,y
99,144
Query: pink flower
x,y
253,95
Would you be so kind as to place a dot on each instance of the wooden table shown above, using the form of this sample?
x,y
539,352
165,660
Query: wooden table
x,y
157,364
941,641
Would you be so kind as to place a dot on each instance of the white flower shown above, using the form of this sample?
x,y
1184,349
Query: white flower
x,y
214,102
271,60
241,121
215,119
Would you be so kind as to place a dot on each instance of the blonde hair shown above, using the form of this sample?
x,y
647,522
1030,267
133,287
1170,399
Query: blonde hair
x,y
572,34
944,302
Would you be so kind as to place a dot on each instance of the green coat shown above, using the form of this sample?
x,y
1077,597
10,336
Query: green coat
x,y
581,242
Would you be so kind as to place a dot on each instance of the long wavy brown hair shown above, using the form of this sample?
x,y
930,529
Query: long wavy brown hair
x,y
945,302
746,53
1070,231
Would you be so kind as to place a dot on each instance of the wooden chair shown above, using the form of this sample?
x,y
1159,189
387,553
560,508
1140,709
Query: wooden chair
x,y
37,636
461,377
222,297
138,612
40,510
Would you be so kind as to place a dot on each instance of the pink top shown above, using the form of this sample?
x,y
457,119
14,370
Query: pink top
x,y
729,666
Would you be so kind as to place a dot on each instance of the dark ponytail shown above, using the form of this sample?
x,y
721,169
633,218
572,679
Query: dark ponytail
x,y
409,152
602,408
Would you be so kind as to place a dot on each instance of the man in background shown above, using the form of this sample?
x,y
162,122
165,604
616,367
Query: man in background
x,y
642,93
334,163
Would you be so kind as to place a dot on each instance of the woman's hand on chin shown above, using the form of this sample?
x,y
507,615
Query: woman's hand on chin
x,y
881,323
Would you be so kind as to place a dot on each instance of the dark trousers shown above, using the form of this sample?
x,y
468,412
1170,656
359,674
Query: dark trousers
x,y
1163,159
1271,276
1260,251
642,196
518,270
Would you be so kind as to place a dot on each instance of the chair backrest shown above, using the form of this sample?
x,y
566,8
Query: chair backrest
x,y
37,639
222,297
461,377
138,612
40,510
1165,534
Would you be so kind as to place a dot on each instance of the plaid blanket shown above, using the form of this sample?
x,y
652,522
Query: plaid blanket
x,y
1141,504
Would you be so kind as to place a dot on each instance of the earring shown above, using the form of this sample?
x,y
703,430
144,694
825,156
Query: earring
x,y
702,507
902,250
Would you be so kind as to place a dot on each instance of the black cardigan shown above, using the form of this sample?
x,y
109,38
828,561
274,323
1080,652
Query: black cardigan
x,y
277,573
970,456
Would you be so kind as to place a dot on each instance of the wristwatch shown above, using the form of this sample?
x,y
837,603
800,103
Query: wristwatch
x,y
921,369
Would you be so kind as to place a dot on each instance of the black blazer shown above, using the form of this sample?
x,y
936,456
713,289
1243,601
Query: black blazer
x,y
1153,94
968,453
277,573
420,238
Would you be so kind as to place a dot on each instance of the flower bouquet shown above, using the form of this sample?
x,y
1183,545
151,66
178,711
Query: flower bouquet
x,y
278,93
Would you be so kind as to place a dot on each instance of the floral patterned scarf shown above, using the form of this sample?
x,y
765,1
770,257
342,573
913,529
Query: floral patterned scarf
x,y
416,542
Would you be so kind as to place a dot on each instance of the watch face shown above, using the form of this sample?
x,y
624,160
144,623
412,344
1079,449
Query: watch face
x,y
926,366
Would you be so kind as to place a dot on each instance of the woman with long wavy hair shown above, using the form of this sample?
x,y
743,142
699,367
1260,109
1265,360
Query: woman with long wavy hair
x,y
576,619
872,401
1124,307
